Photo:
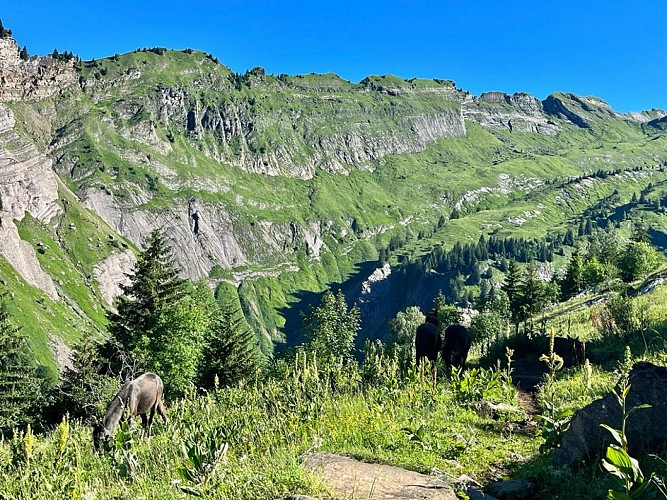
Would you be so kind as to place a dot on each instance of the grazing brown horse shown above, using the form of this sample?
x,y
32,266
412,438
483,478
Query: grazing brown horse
x,y
139,396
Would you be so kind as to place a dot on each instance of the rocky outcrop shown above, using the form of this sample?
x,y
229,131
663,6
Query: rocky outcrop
x,y
204,235
557,107
580,111
647,116
646,429
27,184
518,113
113,272
33,79
343,140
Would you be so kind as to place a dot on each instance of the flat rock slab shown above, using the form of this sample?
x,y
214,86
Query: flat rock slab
x,y
350,478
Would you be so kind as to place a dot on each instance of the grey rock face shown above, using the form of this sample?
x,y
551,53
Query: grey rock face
x,y
203,235
518,113
27,184
556,106
646,428
112,272
34,79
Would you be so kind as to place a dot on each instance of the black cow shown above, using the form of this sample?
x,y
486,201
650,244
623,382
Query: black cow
x,y
427,340
456,346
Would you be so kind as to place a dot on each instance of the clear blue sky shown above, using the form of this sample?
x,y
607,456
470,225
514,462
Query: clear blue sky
x,y
613,49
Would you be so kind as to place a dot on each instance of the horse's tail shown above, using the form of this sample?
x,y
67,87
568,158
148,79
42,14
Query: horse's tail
x,y
161,410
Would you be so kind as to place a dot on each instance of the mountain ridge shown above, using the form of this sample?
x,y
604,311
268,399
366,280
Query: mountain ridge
x,y
257,175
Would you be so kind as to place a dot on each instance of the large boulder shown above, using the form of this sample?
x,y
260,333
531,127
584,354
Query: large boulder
x,y
646,429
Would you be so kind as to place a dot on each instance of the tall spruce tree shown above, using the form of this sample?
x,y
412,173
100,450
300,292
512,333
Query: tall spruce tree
x,y
573,281
512,287
161,319
154,287
19,386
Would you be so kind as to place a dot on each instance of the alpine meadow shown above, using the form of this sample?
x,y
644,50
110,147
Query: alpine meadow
x,y
269,245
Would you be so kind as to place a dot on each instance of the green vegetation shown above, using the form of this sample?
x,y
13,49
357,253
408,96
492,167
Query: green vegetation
x,y
314,180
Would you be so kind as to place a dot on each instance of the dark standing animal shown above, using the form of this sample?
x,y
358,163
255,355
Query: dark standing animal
x,y
139,396
456,346
427,340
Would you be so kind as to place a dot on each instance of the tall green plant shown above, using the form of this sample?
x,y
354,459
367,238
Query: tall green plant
x,y
618,461
555,421
332,328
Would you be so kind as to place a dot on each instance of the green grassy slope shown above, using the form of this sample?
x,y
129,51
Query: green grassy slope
x,y
129,132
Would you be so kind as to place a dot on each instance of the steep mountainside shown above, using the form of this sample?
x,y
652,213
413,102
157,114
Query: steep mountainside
x,y
280,185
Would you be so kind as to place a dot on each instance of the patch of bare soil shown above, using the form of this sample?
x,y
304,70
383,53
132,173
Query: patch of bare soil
x,y
349,478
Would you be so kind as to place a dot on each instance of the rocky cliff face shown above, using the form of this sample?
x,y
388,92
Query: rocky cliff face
x,y
32,79
204,235
27,184
276,143
518,113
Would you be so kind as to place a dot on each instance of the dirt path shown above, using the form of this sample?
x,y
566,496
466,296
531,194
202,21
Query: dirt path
x,y
349,478
526,375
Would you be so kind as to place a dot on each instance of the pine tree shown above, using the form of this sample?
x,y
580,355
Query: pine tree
x,y
533,294
161,320
154,286
84,391
24,54
573,281
19,386
4,33
512,288
231,352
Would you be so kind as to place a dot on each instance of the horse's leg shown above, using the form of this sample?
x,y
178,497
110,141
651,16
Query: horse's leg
x,y
150,420
144,422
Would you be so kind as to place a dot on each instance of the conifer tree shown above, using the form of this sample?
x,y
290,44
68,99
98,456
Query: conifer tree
x,y
84,391
512,288
154,287
533,294
4,33
573,281
161,319
19,387
231,352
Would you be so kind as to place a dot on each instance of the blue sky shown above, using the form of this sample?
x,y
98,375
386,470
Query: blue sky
x,y
612,49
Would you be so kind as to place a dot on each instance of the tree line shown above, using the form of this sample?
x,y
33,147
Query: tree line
x,y
161,323
189,335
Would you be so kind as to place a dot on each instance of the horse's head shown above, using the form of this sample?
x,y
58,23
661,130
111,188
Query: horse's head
x,y
100,432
